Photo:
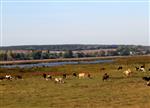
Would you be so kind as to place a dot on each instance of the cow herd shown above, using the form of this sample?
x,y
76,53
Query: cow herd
x,y
64,76
128,73
105,76
9,77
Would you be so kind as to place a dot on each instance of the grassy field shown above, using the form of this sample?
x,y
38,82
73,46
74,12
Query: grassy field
x,y
118,92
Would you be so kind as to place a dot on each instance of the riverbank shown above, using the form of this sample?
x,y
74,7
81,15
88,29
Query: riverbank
x,y
65,59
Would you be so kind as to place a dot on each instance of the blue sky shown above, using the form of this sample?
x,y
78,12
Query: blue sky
x,y
40,23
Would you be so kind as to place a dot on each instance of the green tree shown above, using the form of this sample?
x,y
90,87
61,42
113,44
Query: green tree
x,y
36,54
80,54
3,56
44,56
53,56
124,50
68,54
9,55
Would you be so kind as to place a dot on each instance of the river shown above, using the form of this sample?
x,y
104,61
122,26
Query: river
x,y
55,64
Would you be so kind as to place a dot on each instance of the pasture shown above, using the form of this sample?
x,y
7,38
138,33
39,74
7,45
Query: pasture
x,y
118,91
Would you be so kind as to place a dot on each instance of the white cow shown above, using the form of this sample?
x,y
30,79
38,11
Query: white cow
x,y
8,77
127,72
59,80
148,83
142,69
81,75
48,77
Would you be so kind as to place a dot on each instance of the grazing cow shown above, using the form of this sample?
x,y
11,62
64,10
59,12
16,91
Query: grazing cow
x,y
102,69
81,75
149,69
44,75
2,77
59,80
74,74
127,72
89,75
48,77
137,68
18,77
146,78
8,77
142,69
64,76
120,68
105,77
148,83
143,66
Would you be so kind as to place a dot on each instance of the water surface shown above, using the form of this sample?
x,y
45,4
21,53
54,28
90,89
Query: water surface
x,y
55,64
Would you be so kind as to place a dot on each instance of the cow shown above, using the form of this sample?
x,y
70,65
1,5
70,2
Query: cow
x,y
143,66
64,76
146,78
148,83
105,77
44,75
102,68
89,75
120,68
59,80
137,68
74,74
18,77
8,77
142,69
48,77
2,77
127,72
81,75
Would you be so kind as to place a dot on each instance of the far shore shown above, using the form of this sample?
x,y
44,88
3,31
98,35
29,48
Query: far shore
x,y
63,60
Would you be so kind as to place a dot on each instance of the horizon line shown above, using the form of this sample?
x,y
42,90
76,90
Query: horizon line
x,y
74,44
66,1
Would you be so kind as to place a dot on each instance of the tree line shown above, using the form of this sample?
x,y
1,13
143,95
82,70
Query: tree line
x,y
6,55
59,47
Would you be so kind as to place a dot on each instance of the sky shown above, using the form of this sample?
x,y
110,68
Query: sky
x,y
71,22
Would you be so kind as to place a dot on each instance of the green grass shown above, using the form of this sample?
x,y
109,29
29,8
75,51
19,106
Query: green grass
x,y
118,92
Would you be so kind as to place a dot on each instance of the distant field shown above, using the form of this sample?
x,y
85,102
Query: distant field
x,y
118,92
